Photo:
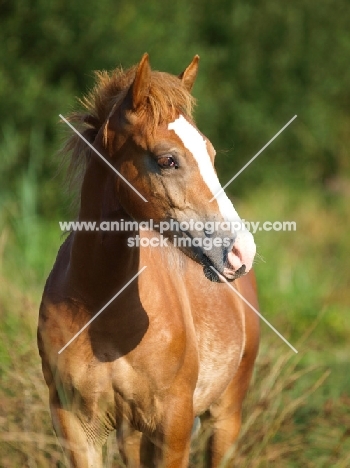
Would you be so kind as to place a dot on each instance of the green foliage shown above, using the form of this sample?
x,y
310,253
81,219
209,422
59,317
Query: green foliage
x,y
48,53
270,61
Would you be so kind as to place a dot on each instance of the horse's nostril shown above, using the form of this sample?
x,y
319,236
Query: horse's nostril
x,y
237,274
210,274
241,270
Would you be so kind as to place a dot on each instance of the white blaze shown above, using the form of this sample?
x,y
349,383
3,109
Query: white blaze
x,y
244,246
196,144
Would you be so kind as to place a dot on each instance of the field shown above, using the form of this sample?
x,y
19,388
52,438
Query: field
x,y
297,413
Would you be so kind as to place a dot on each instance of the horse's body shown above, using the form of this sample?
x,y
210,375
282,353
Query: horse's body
x,y
173,345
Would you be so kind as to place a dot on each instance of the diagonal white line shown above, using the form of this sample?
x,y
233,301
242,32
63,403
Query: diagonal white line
x,y
254,157
103,158
101,310
254,310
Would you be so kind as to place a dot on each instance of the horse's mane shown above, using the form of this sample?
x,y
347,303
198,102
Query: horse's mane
x,y
167,96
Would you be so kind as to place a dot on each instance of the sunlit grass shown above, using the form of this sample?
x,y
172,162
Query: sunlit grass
x,y
304,272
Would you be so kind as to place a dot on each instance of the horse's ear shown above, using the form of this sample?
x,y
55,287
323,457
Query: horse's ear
x,y
141,83
188,76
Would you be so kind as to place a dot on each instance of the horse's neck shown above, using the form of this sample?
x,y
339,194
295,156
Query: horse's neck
x,y
96,256
98,199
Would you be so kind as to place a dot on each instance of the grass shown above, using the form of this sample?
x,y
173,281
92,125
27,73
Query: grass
x,y
297,413
304,272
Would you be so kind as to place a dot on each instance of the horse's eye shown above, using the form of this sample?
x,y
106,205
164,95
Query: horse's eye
x,y
167,161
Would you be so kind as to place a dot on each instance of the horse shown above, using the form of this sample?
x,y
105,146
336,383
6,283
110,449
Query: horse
x,y
176,343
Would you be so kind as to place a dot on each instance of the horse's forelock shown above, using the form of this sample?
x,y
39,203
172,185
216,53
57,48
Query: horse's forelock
x,y
166,98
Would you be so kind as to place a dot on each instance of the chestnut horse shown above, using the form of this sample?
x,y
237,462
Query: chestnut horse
x,y
177,343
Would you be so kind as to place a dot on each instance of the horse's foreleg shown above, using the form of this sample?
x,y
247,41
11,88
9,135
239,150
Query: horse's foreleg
x,y
225,426
79,449
129,445
169,446
225,419
226,414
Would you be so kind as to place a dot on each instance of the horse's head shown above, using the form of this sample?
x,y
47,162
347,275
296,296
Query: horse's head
x,y
152,141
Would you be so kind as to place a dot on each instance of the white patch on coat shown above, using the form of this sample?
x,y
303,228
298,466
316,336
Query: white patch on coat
x,y
196,144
